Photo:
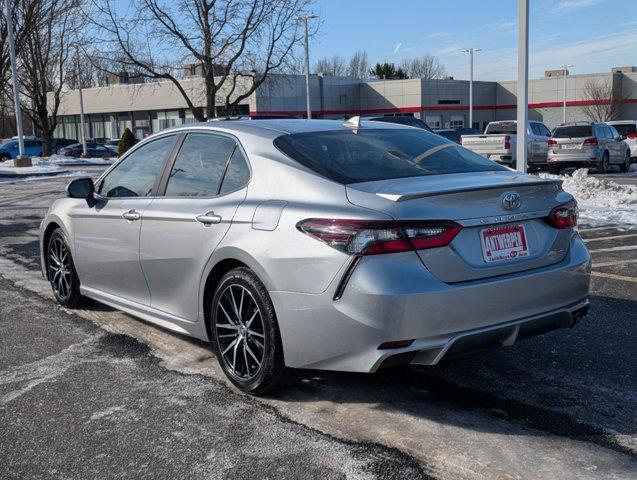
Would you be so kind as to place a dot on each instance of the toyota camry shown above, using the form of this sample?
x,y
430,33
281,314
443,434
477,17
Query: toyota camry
x,y
320,244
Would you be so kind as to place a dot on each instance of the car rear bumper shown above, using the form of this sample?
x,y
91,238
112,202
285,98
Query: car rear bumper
x,y
395,298
584,158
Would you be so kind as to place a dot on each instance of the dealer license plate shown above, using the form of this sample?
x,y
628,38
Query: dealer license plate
x,y
504,243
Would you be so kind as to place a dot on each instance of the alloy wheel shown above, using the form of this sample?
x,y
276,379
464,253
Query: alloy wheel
x,y
240,332
60,269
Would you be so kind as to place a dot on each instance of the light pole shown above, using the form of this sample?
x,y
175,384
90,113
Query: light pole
x,y
523,84
22,160
305,18
79,86
470,51
565,71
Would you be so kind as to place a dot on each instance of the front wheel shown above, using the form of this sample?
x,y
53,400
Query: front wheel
x,y
625,166
61,271
245,334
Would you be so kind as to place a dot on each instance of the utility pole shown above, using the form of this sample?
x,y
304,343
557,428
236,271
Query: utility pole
x,y
22,160
305,18
565,69
470,51
523,84
79,86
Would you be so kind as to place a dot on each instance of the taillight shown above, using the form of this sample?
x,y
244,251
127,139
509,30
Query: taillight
x,y
632,136
564,216
551,142
507,142
590,141
369,237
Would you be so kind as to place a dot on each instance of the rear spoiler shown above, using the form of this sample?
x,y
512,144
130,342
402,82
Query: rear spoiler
x,y
412,196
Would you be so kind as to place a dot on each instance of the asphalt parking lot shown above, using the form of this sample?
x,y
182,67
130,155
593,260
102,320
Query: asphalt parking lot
x,y
96,393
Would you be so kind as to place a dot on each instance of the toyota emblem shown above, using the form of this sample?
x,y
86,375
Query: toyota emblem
x,y
511,201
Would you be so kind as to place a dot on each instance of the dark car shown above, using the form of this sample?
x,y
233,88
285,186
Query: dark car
x,y
454,134
92,149
402,120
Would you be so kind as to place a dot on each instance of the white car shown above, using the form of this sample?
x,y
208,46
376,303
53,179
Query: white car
x,y
628,130
498,143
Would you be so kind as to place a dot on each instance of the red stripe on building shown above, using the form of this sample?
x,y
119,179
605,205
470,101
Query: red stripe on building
x,y
572,103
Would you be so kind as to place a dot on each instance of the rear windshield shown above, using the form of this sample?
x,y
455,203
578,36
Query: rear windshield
x,y
575,131
351,156
626,129
498,128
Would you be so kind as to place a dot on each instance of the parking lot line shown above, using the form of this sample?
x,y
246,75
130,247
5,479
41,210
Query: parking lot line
x,y
613,264
613,237
612,276
614,249
595,229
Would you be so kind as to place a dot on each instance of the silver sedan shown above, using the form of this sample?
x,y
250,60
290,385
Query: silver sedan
x,y
320,244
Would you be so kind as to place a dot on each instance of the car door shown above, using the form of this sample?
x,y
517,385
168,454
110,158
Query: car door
x,y
32,148
182,227
106,235
536,147
618,147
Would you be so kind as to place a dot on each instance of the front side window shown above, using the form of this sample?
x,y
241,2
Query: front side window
x,y
136,174
200,165
349,156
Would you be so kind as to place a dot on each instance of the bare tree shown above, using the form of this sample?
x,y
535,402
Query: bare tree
x,y
605,100
233,44
427,67
333,66
358,65
45,61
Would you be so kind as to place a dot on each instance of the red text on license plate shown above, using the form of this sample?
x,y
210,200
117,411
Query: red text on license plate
x,y
504,243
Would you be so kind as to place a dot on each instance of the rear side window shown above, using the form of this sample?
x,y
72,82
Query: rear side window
x,y
199,166
575,131
135,175
237,174
626,129
349,156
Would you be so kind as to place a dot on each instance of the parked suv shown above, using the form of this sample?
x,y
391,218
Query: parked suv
x,y
628,131
596,145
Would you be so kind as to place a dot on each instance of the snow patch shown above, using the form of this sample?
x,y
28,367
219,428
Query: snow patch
x,y
69,161
601,201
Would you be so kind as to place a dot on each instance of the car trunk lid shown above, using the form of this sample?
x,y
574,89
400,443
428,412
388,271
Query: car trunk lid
x,y
475,201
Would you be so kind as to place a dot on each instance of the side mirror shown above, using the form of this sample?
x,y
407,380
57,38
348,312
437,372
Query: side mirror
x,y
82,188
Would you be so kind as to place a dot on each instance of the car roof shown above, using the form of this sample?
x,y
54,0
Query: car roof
x,y
281,126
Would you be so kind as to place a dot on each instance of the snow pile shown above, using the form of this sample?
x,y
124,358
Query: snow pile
x,y
600,201
40,167
71,161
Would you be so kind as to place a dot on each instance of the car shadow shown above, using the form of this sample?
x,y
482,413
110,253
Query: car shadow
x,y
539,383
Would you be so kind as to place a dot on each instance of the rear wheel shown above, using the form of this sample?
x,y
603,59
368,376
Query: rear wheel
x,y
61,271
625,166
246,335
4,157
602,166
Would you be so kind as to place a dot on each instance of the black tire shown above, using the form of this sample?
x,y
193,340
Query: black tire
x,y
554,169
246,332
625,166
61,273
602,166
4,157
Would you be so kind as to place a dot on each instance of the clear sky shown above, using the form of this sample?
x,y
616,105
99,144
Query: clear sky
x,y
594,35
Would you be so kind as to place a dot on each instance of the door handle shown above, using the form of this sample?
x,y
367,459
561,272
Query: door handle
x,y
208,218
131,215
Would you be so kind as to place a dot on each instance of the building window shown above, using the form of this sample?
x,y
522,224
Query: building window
x,y
342,99
456,121
448,102
433,121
